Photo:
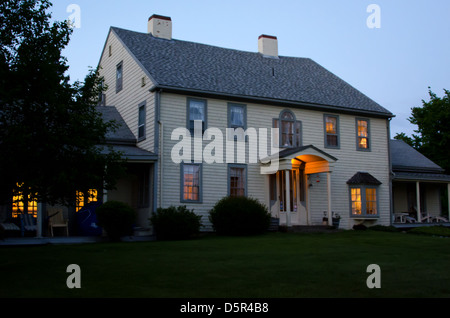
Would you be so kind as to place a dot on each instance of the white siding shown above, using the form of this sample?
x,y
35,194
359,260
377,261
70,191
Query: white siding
x,y
133,93
350,161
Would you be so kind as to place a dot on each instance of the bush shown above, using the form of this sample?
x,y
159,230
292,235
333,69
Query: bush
x,y
175,223
239,216
116,218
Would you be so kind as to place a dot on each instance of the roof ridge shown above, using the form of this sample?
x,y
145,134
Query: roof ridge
x,y
188,66
209,45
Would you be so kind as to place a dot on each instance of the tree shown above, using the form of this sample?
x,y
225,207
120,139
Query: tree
x,y
49,128
433,129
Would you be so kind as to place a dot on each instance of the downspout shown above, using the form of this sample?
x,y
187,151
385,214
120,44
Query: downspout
x,y
156,148
391,173
161,163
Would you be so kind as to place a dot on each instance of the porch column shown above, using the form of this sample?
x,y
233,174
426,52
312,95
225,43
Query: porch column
x,y
39,220
105,195
330,220
448,199
288,198
419,218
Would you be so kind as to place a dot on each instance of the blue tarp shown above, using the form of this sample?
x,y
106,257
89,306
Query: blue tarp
x,y
87,220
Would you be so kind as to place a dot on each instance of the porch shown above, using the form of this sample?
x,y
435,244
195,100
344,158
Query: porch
x,y
419,201
26,222
291,175
420,189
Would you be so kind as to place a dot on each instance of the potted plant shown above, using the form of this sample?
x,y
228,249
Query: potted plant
x,y
325,218
336,219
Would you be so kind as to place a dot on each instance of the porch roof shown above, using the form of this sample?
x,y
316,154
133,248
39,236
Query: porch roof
x,y
131,152
421,176
316,160
363,178
291,153
406,158
122,139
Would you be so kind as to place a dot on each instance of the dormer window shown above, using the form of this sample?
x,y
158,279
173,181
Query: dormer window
x,y
290,130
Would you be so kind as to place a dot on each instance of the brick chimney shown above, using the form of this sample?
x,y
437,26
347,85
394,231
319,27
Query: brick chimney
x,y
160,26
268,45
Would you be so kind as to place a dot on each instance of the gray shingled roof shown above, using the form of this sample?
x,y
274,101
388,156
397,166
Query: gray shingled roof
x,y
123,133
363,178
122,139
406,158
189,66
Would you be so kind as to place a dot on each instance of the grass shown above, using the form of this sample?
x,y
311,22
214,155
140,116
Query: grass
x,y
268,266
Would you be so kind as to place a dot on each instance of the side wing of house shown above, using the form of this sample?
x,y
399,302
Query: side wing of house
x,y
128,89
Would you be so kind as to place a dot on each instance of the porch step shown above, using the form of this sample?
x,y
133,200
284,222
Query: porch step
x,y
274,224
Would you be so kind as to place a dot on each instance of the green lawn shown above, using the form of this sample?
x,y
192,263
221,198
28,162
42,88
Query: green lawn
x,y
268,266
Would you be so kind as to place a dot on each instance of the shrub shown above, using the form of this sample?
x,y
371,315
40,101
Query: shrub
x,y
175,223
116,218
239,216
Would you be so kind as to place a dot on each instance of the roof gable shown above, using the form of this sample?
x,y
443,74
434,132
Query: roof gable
x,y
189,66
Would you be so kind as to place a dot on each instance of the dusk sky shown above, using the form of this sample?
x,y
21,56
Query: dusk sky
x,y
393,64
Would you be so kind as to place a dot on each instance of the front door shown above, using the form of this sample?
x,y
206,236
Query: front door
x,y
279,196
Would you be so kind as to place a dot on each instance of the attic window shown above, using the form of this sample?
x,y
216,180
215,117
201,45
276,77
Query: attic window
x,y
119,77
109,50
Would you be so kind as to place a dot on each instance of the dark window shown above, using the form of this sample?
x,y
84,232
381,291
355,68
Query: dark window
x,y
141,122
196,112
290,130
144,189
237,180
119,77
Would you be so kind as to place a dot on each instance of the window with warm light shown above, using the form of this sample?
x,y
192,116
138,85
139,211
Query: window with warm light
x,y
331,125
82,200
20,206
363,134
23,203
191,183
364,201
